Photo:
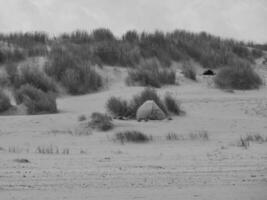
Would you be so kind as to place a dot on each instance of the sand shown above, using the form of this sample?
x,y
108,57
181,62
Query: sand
x,y
96,167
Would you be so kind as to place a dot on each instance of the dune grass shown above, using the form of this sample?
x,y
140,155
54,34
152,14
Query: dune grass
x,y
132,136
240,76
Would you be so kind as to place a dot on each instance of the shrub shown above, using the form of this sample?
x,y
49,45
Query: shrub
x,y
12,72
121,108
131,36
101,121
151,73
21,160
76,76
82,118
172,105
117,107
189,71
254,138
147,94
33,76
36,101
4,79
15,55
81,80
132,136
4,102
102,34
240,76
108,52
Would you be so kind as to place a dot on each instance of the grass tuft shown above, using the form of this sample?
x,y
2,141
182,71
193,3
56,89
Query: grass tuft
x,y
132,136
101,121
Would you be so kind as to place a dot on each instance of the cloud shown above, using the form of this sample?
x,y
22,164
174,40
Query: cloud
x,y
241,19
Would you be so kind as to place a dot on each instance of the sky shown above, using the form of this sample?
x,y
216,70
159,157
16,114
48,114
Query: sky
x,y
240,19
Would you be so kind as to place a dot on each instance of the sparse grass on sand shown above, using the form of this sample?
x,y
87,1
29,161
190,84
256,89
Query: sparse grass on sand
x,y
257,138
51,149
199,135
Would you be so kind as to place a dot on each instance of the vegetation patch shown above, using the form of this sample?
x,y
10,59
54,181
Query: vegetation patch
x,y
101,121
200,135
76,75
118,108
240,76
4,102
33,76
189,71
151,73
36,101
51,149
21,160
172,105
132,136
122,109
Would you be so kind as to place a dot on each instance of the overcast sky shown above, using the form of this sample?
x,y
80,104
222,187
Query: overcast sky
x,y
241,19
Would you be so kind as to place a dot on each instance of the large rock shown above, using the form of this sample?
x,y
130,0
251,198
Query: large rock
x,y
150,111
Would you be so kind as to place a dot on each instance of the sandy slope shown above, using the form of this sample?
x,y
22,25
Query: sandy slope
x,y
98,168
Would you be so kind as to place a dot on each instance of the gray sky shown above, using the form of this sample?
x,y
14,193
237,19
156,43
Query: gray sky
x,y
241,19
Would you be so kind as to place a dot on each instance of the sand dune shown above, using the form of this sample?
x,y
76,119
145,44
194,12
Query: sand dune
x,y
98,168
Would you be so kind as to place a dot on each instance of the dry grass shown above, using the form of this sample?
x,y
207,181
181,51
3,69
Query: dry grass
x,y
132,136
152,74
101,122
189,71
21,160
256,138
199,135
173,106
51,149
15,149
36,101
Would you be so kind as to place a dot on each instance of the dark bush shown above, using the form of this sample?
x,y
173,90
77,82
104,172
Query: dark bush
x,y
102,34
151,73
129,54
4,102
172,105
131,36
101,121
239,76
15,55
12,72
132,136
108,52
76,76
35,77
81,80
36,101
118,107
